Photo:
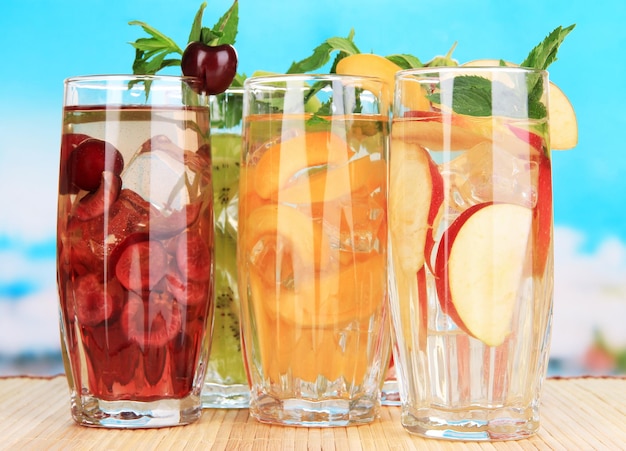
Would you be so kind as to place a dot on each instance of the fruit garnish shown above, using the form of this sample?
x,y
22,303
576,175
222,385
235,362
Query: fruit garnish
x,y
208,55
479,267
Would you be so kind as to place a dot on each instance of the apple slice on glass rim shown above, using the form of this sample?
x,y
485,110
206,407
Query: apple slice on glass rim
x,y
563,123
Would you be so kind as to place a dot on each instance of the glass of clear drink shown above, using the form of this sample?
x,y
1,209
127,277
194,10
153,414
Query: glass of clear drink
x,y
225,384
470,218
135,249
313,248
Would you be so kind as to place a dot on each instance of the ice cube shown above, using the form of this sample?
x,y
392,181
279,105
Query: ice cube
x,y
157,172
356,229
488,173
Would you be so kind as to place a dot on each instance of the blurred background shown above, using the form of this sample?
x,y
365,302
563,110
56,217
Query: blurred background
x,y
46,41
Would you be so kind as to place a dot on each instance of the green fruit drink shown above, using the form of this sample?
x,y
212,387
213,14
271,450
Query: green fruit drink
x,y
225,384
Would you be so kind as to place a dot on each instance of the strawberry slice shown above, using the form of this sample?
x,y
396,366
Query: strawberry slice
x,y
141,265
152,319
193,256
185,290
95,301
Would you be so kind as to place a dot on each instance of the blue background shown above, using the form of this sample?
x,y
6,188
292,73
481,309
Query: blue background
x,y
45,41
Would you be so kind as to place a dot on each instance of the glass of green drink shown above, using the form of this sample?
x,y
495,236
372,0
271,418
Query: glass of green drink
x,y
225,385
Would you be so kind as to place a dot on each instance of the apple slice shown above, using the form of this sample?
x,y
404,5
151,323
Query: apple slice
x,y
563,123
542,217
479,266
415,196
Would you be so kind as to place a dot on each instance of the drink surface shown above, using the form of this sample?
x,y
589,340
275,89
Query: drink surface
x,y
135,249
312,235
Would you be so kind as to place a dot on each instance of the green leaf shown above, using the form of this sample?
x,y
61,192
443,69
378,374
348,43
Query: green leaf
x,y
544,54
227,25
160,37
405,61
196,26
321,54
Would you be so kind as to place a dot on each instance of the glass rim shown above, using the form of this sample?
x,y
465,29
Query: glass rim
x,y
99,78
466,69
277,78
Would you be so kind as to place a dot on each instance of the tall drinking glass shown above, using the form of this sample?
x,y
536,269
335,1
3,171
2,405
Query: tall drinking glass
x,y
470,213
135,249
313,248
225,384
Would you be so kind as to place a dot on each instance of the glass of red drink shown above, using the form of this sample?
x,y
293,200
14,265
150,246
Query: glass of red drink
x,y
135,249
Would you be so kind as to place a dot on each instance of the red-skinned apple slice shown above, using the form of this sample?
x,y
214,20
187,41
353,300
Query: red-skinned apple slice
x,y
542,217
479,266
415,196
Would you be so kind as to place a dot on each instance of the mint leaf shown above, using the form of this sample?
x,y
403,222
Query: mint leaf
x,y
544,54
227,25
150,52
196,26
405,61
322,53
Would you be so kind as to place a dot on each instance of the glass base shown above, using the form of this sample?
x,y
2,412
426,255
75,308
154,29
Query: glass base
x,y
218,396
90,411
390,394
326,413
472,424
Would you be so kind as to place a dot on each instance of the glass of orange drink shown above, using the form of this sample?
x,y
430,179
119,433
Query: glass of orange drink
x,y
313,247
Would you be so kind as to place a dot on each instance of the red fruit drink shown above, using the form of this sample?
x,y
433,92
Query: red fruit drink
x,y
135,270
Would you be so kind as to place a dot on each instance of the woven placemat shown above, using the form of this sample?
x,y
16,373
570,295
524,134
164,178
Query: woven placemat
x,y
577,414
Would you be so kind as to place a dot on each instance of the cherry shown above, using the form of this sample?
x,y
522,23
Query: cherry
x,y
98,202
89,160
215,66
69,142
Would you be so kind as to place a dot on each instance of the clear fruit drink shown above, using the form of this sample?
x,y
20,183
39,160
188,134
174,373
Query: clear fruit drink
x,y
471,243
135,259
312,259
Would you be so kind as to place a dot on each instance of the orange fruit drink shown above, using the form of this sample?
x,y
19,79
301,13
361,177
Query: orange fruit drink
x,y
470,216
312,261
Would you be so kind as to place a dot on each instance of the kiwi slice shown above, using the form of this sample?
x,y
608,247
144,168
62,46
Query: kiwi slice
x,y
226,361
226,152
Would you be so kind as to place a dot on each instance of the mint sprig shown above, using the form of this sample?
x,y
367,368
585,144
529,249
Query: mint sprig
x,y
323,52
473,95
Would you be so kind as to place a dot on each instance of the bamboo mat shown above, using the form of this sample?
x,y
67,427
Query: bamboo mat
x,y
577,414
